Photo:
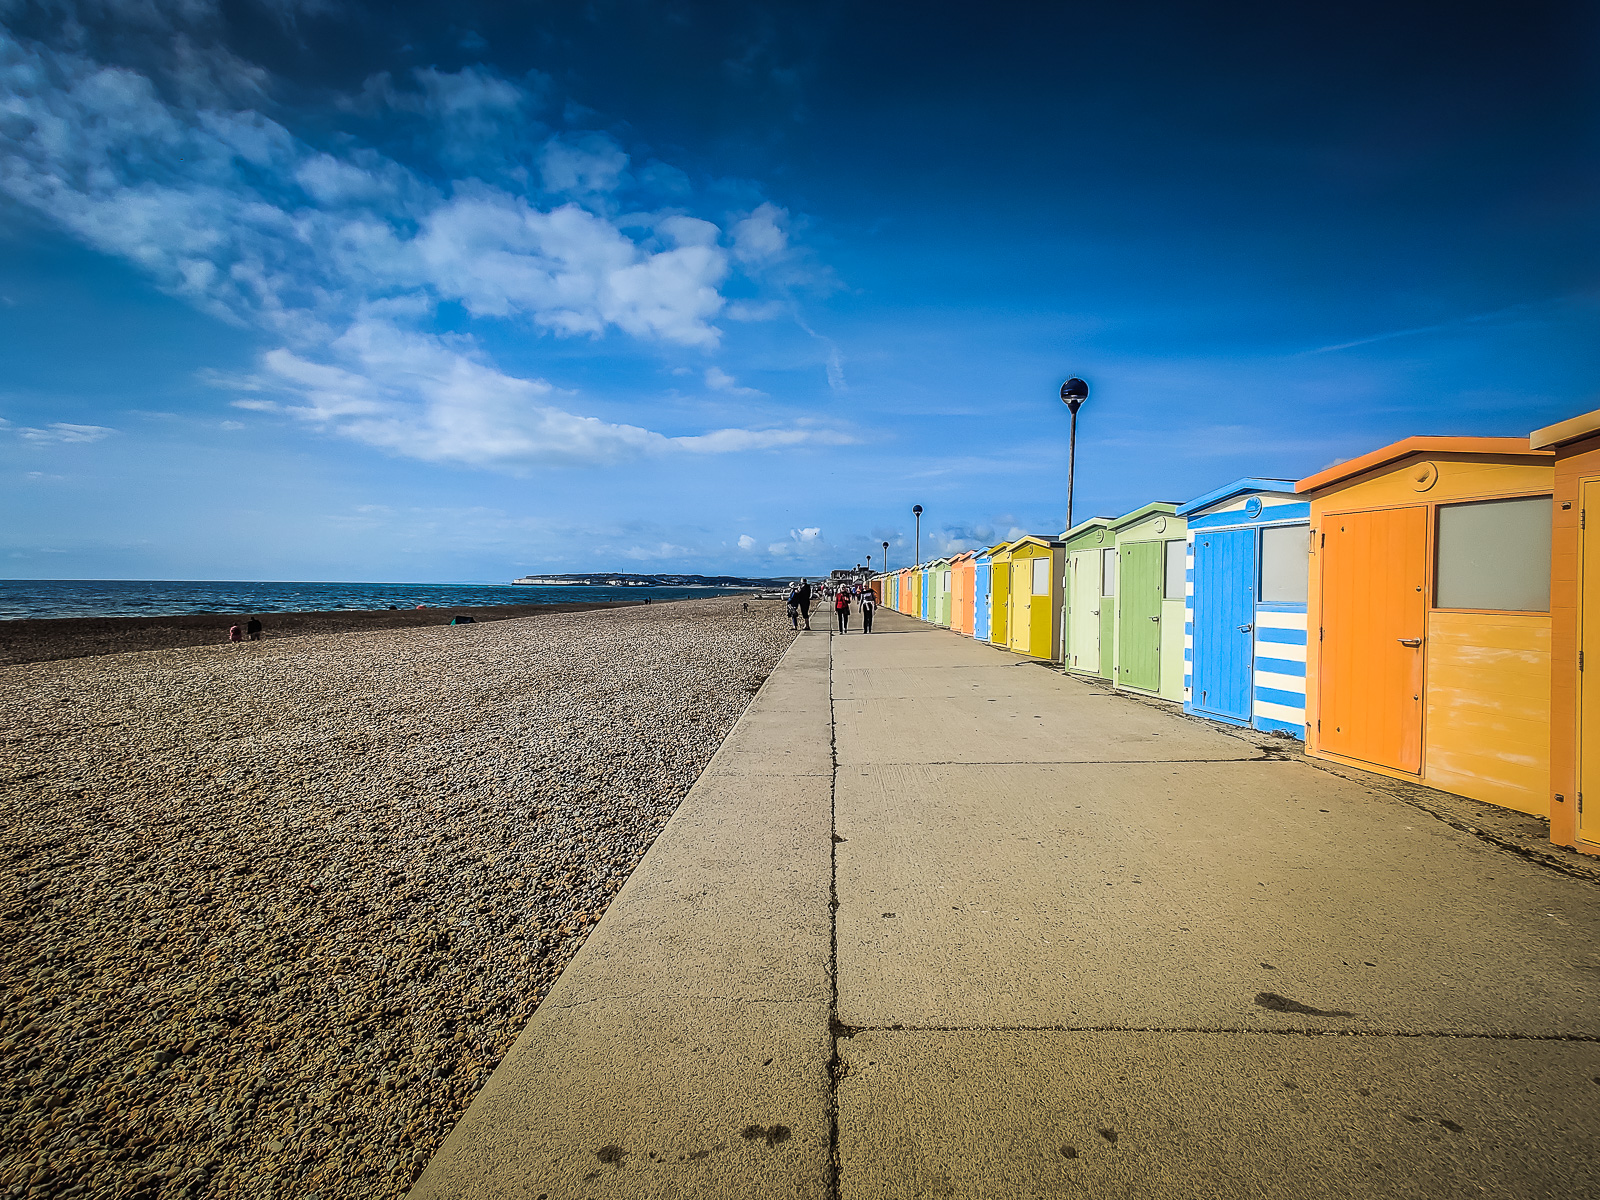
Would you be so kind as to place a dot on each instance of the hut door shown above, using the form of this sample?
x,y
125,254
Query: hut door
x,y
1139,601
1224,612
1084,632
1374,615
1021,603
1589,674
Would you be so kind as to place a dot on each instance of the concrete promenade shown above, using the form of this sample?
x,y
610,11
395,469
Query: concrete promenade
x,y
940,922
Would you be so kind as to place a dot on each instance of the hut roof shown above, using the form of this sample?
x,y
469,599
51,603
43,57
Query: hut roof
x,y
1566,431
1497,447
1239,487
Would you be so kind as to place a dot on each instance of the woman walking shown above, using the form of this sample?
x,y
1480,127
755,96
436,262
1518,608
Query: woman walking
x,y
841,609
869,602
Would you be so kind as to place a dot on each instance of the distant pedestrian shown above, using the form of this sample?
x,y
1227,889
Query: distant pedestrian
x,y
803,600
841,610
253,628
234,635
791,605
869,603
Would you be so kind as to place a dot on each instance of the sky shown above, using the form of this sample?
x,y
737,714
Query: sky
x,y
324,290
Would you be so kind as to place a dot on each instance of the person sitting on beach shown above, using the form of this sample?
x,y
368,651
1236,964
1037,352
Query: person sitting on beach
x,y
253,628
234,635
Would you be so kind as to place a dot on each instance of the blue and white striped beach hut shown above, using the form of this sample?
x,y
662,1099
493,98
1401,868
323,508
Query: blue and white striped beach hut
x,y
981,599
1245,608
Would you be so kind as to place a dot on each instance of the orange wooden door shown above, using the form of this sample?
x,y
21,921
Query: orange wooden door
x,y
1374,614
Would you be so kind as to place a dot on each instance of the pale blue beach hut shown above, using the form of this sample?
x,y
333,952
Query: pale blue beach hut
x,y
1245,607
981,582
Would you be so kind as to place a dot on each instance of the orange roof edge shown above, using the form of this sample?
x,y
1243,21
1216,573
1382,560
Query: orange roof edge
x,y
1512,447
1562,432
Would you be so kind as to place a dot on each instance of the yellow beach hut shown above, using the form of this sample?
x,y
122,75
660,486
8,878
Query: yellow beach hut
x,y
1034,623
1000,595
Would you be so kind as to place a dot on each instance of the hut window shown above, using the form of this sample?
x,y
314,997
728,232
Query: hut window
x,y
1285,564
1176,553
1108,572
1494,554
946,583
1041,577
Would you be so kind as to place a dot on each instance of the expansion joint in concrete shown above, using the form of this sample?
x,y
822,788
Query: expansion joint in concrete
x,y
835,1065
848,1031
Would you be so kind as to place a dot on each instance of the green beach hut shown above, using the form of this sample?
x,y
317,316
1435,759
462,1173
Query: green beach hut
x,y
1151,565
1088,615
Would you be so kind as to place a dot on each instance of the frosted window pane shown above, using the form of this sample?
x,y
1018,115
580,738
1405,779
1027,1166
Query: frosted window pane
x,y
1041,577
1285,564
946,583
1108,572
1494,554
1176,553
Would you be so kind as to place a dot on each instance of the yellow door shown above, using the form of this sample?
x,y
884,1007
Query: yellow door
x,y
1021,603
1588,647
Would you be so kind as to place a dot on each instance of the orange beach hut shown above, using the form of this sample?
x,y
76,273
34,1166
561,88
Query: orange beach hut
x,y
1429,610
963,578
1574,631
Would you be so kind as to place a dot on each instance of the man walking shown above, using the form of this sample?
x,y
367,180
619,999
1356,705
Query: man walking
x,y
869,602
803,598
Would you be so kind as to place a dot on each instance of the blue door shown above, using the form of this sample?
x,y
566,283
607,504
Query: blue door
x,y
980,600
1224,609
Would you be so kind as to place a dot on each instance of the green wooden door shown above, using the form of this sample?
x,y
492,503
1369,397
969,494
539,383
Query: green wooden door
x,y
1139,608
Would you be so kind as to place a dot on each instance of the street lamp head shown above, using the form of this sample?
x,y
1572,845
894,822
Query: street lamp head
x,y
917,509
1073,393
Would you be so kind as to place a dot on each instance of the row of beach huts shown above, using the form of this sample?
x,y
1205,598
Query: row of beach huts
x,y
1422,611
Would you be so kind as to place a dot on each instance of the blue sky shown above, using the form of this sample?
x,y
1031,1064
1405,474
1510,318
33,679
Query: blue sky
x,y
304,289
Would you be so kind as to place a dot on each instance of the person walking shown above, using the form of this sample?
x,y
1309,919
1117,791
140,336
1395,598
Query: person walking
x,y
841,609
792,605
804,599
869,603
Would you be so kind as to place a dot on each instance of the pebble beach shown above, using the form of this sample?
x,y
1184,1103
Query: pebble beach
x,y
270,913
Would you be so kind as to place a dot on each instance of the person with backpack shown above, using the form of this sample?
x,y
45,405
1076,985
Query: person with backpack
x,y
792,606
841,609
803,599
869,602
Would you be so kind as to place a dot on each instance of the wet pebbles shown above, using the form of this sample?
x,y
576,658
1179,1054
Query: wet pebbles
x,y
270,913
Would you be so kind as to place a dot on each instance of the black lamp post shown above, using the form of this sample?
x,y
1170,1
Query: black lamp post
x,y
886,558
1073,393
916,511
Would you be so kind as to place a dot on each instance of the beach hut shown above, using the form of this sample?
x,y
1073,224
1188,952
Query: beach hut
x,y
963,573
1000,595
1430,592
939,584
1090,553
1033,626
1152,557
1574,631
1245,650
982,570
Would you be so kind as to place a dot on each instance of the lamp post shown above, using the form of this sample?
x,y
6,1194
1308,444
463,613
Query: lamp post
x,y
886,558
916,511
1073,393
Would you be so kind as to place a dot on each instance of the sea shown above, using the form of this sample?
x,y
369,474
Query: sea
x,y
20,598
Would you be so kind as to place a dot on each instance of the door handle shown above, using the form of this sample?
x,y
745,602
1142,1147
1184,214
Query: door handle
x,y
1155,618
1246,628
1412,642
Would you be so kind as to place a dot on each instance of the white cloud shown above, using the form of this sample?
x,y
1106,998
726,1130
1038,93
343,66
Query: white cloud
x,y
61,433
719,380
762,238
343,255
806,535
746,542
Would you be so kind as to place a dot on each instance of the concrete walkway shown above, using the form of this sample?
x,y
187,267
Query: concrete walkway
x,y
940,922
